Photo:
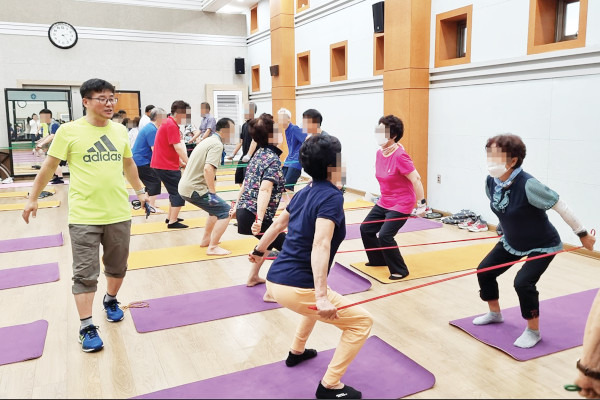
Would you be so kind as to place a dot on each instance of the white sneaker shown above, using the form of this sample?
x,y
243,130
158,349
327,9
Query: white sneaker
x,y
8,180
479,226
159,210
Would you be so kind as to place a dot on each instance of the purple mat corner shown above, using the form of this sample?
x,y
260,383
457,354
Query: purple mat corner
x,y
210,305
31,275
400,377
31,243
22,342
562,324
411,225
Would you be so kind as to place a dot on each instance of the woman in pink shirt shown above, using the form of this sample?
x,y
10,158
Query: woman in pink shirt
x,y
400,185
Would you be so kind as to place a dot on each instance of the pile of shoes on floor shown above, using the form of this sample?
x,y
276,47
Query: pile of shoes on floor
x,y
467,219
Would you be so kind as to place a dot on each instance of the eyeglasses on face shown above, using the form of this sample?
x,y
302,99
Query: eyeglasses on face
x,y
105,100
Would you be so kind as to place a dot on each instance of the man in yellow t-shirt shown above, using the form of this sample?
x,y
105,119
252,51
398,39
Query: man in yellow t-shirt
x,y
98,154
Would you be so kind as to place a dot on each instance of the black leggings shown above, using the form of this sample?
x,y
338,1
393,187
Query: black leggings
x,y
525,281
246,218
386,230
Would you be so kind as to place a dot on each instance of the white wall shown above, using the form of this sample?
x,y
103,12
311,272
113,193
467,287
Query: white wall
x,y
352,119
259,53
316,31
162,72
500,28
350,108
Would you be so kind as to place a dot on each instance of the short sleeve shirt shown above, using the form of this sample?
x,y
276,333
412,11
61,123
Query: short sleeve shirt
x,y
44,129
320,199
208,122
53,127
397,192
246,139
97,194
265,165
294,138
142,149
207,152
165,156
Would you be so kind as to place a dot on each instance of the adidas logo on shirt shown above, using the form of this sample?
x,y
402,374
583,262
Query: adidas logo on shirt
x,y
102,150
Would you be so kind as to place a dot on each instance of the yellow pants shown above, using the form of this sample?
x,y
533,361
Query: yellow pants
x,y
355,323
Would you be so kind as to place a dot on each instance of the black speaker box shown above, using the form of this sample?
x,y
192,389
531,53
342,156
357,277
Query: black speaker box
x,y
378,17
274,69
240,65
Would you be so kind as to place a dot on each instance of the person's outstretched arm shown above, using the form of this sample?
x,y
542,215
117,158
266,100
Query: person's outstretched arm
x,y
590,388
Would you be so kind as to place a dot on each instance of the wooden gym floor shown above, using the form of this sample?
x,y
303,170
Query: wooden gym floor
x,y
132,364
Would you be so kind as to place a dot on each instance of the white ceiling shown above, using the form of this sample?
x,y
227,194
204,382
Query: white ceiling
x,y
224,6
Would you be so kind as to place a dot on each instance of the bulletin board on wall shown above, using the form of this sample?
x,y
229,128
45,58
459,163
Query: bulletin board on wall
x,y
129,100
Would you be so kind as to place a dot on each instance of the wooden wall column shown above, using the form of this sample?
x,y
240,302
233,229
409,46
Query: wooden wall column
x,y
406,73
283,53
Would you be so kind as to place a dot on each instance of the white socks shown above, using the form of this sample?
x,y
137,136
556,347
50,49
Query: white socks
x,y
528,339
489,318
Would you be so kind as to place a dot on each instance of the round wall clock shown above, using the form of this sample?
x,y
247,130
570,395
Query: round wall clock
x,y
63,35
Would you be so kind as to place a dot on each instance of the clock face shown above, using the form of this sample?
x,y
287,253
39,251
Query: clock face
x,y
62,35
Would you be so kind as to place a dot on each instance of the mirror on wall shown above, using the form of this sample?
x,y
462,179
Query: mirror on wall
x,y
26,125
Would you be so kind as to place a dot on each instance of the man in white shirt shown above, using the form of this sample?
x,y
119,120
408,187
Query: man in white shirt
x,y
146,117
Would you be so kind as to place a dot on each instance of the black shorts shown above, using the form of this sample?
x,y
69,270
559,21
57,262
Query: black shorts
x,y
150,179
171,180
62,163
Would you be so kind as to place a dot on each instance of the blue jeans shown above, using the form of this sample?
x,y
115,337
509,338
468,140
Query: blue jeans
x,y
291,177
221,210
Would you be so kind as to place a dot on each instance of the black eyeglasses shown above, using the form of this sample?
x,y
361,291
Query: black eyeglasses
x,y
111,100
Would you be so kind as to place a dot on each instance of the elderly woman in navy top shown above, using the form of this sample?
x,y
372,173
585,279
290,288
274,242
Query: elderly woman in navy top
x,y
520,201
298,277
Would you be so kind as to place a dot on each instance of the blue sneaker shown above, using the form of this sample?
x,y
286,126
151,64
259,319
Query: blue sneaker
x,y
113,312
89,339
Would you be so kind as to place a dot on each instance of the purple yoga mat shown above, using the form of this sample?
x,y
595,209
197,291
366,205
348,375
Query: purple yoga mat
x,y
379,372
210,305
25,276
31,243
411,225
22,342
562,324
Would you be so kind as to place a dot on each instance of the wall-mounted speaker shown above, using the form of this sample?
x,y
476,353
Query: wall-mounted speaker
x,y
240,65
378,16
274,70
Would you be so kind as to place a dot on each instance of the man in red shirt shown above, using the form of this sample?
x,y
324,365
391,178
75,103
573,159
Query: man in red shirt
x,y
169,155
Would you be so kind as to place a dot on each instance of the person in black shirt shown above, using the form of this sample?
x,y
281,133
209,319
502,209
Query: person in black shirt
x,y
244,143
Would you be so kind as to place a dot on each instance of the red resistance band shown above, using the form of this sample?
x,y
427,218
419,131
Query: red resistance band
x,y
409,245
365,222
479,271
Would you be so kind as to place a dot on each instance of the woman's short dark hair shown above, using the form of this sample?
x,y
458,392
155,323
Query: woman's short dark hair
x,y
318,153
95,86
223,123
395,126
313,115
511,145
179,107
261,128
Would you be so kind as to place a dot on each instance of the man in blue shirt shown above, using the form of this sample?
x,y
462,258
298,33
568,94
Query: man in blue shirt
x,y
294,138
142,154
